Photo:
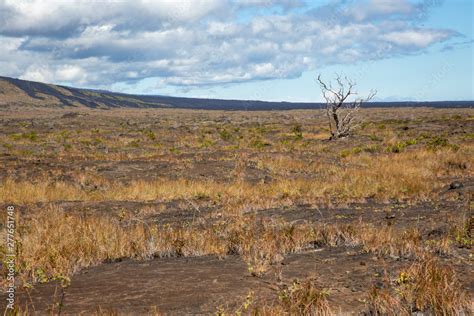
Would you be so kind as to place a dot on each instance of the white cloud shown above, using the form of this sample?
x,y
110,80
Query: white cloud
x,y
46,73
416,38
71,73
36,73
59,17
202,42
266,69
380,8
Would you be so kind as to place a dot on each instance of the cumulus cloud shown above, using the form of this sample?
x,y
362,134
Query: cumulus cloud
x,y
380,8
201,42
64,73
417,38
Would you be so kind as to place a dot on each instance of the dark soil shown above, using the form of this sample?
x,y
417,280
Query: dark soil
x,y
200,285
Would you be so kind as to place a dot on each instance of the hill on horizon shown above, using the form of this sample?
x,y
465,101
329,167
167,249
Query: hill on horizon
x,y
23,93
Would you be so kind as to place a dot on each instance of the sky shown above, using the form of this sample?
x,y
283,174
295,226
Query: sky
x,y
419,50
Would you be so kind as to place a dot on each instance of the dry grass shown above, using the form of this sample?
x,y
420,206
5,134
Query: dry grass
x,y
385,161
428,286
305,299
300,298
399,176
54,244
433,287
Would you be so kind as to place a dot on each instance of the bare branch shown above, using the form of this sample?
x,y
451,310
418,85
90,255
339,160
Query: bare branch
x,y
340,112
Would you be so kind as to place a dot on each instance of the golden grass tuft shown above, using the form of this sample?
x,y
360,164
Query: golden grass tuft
x,y
433,287
383,177
299,298
428,286
54,244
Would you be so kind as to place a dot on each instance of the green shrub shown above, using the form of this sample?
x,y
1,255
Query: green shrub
x,y
150,134
205,142
456,117
345,153
297,131
225,135
32,136
64,134
258,143
7,146
438,142
398,147
261,129
134,143
364,125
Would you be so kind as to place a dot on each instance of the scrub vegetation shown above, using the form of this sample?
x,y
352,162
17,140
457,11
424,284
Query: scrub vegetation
x,y
248,212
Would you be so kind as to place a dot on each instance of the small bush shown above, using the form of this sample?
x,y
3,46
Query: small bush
x,y
437,143
134,144
456,117
297,131
205,142
225,135
7,146
32,136
364,125
150,134
398,147
258,143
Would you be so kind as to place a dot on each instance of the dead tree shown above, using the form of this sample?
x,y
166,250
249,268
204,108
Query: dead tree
x,y
340,110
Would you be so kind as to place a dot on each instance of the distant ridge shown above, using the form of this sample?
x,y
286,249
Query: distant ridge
x,y
16,92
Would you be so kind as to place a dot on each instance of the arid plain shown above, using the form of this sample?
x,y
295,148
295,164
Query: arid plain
x,y
184,211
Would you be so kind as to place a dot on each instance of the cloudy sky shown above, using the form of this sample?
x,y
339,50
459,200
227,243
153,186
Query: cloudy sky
x,y
243,49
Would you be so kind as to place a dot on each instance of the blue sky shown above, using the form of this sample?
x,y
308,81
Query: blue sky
x,y
243,49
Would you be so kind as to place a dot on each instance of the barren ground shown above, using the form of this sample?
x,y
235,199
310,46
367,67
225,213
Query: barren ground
x,y
406,173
